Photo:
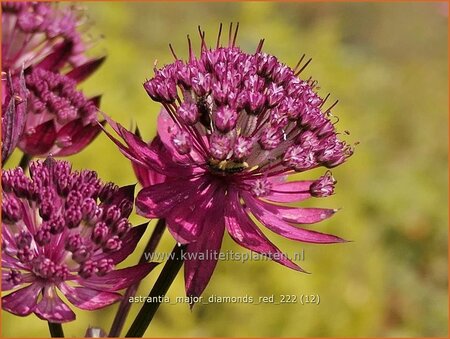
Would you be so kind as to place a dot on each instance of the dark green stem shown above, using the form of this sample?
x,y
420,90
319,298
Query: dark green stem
x,y
125,305
25,161
56,330
165,279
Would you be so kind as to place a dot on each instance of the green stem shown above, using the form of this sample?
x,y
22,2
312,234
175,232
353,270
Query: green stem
x,y
165,279
25,161
125,305
56,330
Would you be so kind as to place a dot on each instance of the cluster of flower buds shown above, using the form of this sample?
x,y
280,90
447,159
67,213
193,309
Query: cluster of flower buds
x,y
62,225
246,111
40,40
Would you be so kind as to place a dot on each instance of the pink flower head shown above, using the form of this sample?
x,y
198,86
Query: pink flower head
x,y
64,232
250,121
41,38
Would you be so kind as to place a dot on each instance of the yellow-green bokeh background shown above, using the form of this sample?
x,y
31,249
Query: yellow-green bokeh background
x,y
387,64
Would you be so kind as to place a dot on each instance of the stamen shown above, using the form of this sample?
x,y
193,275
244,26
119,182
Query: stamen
x,y
173,52
324,100
229,33
299,62
329,108
304,66
202,37
191,53
260,46
218,36
235,35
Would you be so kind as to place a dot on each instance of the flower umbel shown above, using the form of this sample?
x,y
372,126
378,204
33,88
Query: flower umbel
x,y
42,39
64,232
233,125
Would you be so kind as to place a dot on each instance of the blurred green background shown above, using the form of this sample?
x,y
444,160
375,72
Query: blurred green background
x,y
387,64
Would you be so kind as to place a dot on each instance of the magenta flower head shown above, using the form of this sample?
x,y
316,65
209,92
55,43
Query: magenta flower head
x,y
234,125
64,232
42,39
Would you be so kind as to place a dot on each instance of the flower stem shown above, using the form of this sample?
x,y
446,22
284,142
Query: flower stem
x,y
158,291
125,305
56,330
25,161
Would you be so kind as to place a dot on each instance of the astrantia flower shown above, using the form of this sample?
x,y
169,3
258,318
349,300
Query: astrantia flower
x,y
64,232
233,126
42,39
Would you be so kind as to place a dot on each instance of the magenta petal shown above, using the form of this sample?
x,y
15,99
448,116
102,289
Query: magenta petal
x,y
309,215
184,221
120,279
138,147
124,149
85,70
293,191
129,244
140,153
157,201
80,136
41,141
87,298
52,308
145,175
9,140
244,231
135,149
9,261
22,302
267,215
57,59
14,116
197,272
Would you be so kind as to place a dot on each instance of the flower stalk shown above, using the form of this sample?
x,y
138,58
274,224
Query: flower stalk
x,y
165,279
56,330
125,305
25,161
